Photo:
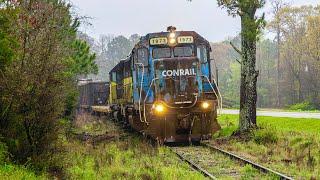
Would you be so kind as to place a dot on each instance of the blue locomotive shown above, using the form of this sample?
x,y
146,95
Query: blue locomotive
x,y
165,87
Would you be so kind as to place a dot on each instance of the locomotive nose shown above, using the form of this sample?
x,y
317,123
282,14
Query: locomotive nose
x,y
178,82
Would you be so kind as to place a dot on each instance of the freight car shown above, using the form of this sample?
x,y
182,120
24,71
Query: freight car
x,y
165,87
93,95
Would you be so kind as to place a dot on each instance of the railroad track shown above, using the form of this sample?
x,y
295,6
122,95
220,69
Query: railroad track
x,y
213,164
216,157
193,165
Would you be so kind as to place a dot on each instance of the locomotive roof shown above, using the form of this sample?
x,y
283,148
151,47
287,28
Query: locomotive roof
x,y
120,65
144,41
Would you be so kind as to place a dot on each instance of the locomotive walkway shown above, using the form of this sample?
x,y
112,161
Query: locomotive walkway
x,y
278,113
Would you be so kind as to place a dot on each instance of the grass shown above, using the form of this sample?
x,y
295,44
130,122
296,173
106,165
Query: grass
x,y
10,171
305,106
127,157
283,124
280,110
289,145
124,157
219,165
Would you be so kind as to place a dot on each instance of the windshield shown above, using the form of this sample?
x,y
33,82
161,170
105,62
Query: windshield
x,y
183,51
176,79
186,51
159,53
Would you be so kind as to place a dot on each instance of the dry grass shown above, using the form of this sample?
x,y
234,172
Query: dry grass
x,y
220,165
285,144
125,157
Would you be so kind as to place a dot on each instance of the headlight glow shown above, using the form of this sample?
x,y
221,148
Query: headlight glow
x,y
172,35
159,108
205,105
172,41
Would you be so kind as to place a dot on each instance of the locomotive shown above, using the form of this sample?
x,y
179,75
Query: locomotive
x,y
165,88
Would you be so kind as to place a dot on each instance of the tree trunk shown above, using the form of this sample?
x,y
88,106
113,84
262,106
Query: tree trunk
x,y
248,86
278,67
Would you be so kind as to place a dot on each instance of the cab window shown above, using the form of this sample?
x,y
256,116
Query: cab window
x,y
183,51
114,76
143,56
159,53
202,54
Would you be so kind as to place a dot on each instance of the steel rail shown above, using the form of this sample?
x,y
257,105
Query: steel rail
x,y
246,161
193,165
232,156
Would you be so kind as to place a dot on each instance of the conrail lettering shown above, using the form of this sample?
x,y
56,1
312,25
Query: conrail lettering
x,y
178,72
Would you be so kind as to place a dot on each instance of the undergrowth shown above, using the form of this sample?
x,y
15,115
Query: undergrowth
x,y
305,106
127,157
289,145
9,171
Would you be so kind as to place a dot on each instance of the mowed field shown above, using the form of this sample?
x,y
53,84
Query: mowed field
x,y
288,145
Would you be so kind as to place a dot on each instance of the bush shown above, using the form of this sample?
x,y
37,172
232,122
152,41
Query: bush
x,y
305,106
3,152
71,103
265,136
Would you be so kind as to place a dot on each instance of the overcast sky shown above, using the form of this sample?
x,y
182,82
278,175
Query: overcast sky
x,y
126,17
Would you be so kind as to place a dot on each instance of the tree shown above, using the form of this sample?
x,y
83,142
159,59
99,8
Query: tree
x,y
6,42
298,49
274,26
119,48
8,45
46,61
82,60
250,29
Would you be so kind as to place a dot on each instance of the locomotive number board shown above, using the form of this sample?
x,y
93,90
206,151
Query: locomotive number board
x,y
159,41
164,40
185,39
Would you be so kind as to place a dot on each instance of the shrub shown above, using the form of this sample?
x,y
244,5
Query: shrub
x,y
249,172
3,152
265,136
305,106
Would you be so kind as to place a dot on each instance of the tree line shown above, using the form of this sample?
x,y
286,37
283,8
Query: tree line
x,y
289,64
110,49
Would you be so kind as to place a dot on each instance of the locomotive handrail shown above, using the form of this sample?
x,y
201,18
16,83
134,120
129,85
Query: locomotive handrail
x,y
216,93
141,85
145,99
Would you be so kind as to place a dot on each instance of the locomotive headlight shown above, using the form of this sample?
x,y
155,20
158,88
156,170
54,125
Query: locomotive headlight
x,y
159,108
172,35
205,105
172,39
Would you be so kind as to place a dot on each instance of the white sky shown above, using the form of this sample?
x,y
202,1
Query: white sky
x,y
126,17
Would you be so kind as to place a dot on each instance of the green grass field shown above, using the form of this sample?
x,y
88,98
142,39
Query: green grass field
x,y
289,145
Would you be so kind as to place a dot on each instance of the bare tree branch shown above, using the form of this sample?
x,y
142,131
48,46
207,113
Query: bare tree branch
x,y
235,48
